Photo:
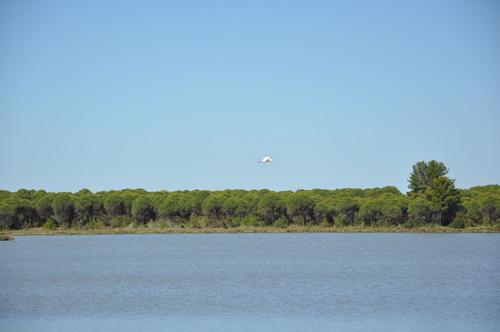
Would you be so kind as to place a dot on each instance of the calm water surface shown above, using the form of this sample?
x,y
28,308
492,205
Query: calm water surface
x,y
251,282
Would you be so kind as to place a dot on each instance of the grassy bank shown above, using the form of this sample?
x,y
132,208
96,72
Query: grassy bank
x,y
250,229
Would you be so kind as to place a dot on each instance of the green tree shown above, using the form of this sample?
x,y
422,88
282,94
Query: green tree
x,y
347,209
143,210
169,208
44,207
420,211
300,207
270,208
472,212
384,210
8,216
64,209
424,174
440,202
127,201
212,205
185,205
26,213
490,208
24,194
196,199
4,195
371,212
445,197
234,207
87,207
114,205
393,213
324,210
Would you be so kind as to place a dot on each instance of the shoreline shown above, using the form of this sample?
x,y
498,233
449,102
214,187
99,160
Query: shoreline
x,y
221,230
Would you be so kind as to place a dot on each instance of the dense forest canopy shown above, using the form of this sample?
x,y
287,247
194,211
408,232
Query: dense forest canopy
x,y
433,199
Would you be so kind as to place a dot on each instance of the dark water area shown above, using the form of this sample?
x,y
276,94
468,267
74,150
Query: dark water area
x,y
251,282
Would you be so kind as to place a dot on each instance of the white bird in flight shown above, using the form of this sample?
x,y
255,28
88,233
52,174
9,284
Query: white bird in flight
x,y
266,160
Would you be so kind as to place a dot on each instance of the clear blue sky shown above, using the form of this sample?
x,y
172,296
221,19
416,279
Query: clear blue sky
x,y
190,94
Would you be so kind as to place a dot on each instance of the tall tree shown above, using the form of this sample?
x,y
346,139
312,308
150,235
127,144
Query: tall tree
x,y
424,174
445,197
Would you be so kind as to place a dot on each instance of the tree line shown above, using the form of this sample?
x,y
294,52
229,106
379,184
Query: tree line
x,y
432,199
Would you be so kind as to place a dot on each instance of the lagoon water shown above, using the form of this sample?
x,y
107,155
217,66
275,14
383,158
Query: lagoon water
x,y
251,282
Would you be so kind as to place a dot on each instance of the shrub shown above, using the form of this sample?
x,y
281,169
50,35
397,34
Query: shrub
x,y
96,224
50,224
281,223
411,223
233,222
252,221
196,222
457,223
338,222
121,221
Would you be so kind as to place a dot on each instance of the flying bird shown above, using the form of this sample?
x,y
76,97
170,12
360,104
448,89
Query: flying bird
x,y
266,160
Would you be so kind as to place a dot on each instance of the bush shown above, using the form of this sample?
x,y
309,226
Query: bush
x,y
457,223
121,221
196,221
96,224
252,221
411,223
50,224
212,222
325,223
281,223
233,222
338,222
164,224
